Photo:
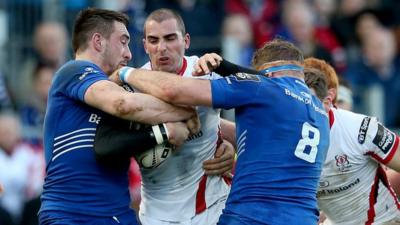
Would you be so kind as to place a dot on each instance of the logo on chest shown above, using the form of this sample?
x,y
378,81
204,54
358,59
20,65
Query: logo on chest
x,y
342,163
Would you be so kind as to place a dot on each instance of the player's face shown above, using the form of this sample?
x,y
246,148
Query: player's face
x,y
165,45
116,52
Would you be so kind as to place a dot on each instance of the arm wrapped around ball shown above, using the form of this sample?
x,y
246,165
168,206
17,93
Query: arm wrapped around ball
x,y
118,139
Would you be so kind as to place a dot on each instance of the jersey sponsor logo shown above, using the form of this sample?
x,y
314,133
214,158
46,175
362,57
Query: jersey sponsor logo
x,y
337,190
305,100
384,139
363,130
194,136
94,118
342,163
88,70
323,184
246,76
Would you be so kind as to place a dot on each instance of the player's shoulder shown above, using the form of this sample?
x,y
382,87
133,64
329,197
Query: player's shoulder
x,y
349,117
76,67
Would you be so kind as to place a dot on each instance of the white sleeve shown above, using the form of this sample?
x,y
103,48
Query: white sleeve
x,y
378,141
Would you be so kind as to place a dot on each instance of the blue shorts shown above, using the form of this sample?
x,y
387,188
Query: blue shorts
x,y
50,218
231,219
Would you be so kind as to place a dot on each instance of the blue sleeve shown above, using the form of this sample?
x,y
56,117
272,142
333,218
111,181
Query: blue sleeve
x,y
234,91
76,79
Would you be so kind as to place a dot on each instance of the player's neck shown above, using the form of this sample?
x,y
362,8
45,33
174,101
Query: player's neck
x,y
87,56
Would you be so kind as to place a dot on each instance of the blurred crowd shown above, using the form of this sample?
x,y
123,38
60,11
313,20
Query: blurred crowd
x,y
360,38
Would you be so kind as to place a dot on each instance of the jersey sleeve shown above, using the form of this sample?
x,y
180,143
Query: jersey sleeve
x,y
74,83
379,142
235,90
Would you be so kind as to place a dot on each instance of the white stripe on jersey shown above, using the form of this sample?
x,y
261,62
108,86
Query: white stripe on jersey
x,y
241,143
70,149
71,143
73,140
84,129
73,137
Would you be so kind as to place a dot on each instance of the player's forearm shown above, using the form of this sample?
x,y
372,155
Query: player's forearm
x,y
171,88
150,110
228,129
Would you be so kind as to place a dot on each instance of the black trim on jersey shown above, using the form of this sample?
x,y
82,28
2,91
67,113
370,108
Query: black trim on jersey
x,y
117,139
384,138
362,133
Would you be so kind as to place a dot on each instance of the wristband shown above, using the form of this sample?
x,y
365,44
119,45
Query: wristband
x,y
124,73
160,133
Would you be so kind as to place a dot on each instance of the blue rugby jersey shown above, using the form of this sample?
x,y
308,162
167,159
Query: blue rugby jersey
x,y
75,182
282,139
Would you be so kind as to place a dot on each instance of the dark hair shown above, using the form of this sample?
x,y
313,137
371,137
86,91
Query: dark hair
x,y
275,50
92,20
316,80
163,14
42,65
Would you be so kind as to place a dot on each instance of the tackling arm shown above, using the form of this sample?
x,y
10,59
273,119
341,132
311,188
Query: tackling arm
x,y
113,99
171,88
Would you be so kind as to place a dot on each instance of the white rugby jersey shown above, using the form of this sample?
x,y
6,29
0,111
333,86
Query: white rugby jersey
x,y
353,188
177,189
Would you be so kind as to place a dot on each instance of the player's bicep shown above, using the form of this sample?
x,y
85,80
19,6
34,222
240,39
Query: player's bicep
x,y
192,92
106,96
394,163
378,141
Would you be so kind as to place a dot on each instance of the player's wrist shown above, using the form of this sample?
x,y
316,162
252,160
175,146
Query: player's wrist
x,y
124,73
160,132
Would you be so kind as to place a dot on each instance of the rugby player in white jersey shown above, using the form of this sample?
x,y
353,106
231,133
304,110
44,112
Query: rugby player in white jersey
x,y
179,191
354,189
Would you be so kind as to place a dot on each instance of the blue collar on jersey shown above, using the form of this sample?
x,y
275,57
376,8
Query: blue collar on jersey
x,y
272,69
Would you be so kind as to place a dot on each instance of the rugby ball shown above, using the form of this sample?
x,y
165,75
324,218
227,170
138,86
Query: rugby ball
x,y
154,157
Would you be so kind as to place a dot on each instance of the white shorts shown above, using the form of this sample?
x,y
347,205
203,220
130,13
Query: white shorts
x,y
394,221
210,216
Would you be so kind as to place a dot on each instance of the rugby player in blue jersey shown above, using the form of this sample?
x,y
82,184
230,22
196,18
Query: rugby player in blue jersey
x,y
78,189
282,132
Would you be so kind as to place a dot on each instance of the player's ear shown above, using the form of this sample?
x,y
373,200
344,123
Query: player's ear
x,y
145,45
97,42
332,94
187,41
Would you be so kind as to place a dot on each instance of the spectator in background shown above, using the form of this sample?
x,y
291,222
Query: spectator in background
x,y
263,16
5,100
344,95
375,77
50,46
365,22
299,26
343,23
32,113
237,39
18,164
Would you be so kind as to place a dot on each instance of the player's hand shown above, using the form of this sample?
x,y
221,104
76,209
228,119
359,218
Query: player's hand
x,y
178,132
115,77
206,64
223,161
194,124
